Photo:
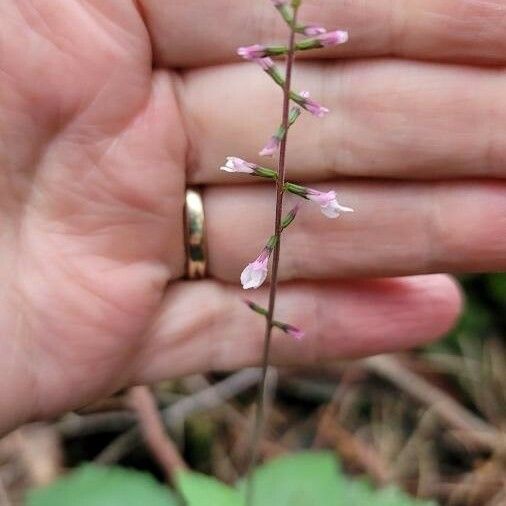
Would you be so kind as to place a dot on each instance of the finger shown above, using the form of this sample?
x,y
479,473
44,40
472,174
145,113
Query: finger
x,y
397,229
340,320
388,119
450,30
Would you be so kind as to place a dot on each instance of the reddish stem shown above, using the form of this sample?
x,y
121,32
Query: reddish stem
x,y
280,183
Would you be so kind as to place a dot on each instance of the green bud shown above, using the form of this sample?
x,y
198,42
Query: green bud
x,y
296,189
255,307
305,44
288,219
271,243
276,50
287,12
294,114
265,172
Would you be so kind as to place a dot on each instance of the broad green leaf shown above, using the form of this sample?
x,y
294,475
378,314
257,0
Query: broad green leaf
x,y
359,493
200,490
305,479
103,486
316,479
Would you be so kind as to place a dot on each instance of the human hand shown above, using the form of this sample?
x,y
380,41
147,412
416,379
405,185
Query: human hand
x,y
97,148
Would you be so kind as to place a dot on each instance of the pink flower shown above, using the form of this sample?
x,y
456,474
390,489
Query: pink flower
x,y
266,63
279,3
327,202
255,273
234,164
312,106
314,29
294,332
254,52
333,38
271,147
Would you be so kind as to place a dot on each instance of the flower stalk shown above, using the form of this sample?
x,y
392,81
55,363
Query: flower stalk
x,y
280,189
256,272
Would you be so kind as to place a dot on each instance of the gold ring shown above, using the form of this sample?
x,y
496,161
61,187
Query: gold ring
x,y
195,235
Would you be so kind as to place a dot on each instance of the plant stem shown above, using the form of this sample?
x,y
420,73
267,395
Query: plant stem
x,y
280,186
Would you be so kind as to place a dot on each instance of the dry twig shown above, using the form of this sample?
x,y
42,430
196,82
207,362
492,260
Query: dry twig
x,y
204,400
472,429
141,400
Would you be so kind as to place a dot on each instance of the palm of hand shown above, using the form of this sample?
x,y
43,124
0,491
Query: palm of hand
x,y
92,194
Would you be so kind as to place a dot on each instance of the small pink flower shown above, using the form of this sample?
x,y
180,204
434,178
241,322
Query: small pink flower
x,y
234,164
327,202
266,63
333,38
294,332
255,273
314,29
271,147
312,106
254,52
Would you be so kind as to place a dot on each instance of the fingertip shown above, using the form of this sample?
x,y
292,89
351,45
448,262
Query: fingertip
x,y
444,300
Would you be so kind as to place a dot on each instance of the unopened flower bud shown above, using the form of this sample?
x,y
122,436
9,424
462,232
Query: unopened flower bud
x,y
332,38
323,39
288,219
254,52
305,101
292,331
265,63
258,51
271,147
273,143
312,29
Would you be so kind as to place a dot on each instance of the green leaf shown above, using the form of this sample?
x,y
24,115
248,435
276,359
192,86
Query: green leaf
x,y
359,492
316,479
200,490
102,486
305,479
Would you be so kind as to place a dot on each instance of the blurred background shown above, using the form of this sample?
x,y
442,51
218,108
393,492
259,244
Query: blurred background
x,y
432,421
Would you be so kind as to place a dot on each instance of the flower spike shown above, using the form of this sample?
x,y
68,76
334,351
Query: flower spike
x,y
255,273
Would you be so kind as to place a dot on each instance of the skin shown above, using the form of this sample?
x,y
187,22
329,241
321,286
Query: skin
x,y
108,110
